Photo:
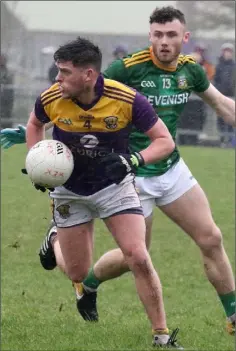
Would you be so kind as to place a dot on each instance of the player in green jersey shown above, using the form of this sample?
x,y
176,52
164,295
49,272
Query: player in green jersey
x,y
167,78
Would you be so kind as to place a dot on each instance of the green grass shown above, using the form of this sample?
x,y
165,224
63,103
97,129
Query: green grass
x,y
38,309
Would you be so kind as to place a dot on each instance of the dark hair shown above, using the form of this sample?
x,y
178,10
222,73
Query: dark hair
x,y
81,52
166,14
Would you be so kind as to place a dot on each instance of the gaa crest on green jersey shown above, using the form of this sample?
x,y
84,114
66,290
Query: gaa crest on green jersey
x,y
182,82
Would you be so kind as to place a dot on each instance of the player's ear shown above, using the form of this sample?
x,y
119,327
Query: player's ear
x,y
186,37
89,74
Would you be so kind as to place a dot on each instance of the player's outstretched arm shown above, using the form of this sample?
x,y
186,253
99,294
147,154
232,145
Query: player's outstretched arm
x,y
223,106
14,136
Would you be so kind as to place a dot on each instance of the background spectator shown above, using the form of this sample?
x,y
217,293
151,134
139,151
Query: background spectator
x,y
7,93
195,114
225,71
120,52
200,54
52,73
225,83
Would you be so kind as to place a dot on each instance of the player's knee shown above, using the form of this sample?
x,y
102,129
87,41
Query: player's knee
x,y
211,238
77,274
137,259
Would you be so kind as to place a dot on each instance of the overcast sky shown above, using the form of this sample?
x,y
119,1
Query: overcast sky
x,y
88,16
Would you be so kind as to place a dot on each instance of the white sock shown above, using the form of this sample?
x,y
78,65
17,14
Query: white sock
x,y
88,289
161,339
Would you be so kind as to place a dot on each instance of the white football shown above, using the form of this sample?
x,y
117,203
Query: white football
x,y
49,163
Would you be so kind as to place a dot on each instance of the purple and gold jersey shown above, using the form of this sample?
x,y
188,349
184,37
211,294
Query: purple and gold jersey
x,y
95,130
168,90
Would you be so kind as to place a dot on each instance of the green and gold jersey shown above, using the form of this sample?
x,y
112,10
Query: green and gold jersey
x,y
167,90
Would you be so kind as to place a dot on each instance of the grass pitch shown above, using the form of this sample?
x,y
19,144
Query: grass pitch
x,y
38,307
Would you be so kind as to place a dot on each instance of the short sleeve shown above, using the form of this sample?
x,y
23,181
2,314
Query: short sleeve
x,y
144,116
116,71
40,112
201,82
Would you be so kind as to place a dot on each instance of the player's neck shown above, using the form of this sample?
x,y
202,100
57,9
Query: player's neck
x,y
87,97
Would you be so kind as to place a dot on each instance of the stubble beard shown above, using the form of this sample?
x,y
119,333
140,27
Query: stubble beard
x,y
171,60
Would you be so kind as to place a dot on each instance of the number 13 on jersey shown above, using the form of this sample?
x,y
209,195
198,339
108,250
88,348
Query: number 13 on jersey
x,y
166,83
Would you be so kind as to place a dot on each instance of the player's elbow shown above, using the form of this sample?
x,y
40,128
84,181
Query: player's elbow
x,y
164,147
170,144
33,127
33,121
226,110
167,140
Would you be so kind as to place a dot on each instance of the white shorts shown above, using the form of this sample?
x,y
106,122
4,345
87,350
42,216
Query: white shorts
x,y
70,209
164,189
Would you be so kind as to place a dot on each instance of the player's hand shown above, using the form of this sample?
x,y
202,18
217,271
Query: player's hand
x,y
12,136
37,186
118,166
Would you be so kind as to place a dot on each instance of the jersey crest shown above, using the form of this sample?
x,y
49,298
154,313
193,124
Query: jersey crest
x,y
182,82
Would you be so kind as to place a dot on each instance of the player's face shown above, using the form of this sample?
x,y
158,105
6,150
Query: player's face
x,y
73,81
228,54
167,40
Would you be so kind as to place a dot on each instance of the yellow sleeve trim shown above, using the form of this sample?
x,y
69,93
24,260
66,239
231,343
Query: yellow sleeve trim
x,y
50,99
119,97
140,53
186,58
114,86
50,95
137,56
52,88
136,62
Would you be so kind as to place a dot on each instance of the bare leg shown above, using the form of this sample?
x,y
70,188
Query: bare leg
x,y
113,264
192,213
110,265
58,254
129,233
74,250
